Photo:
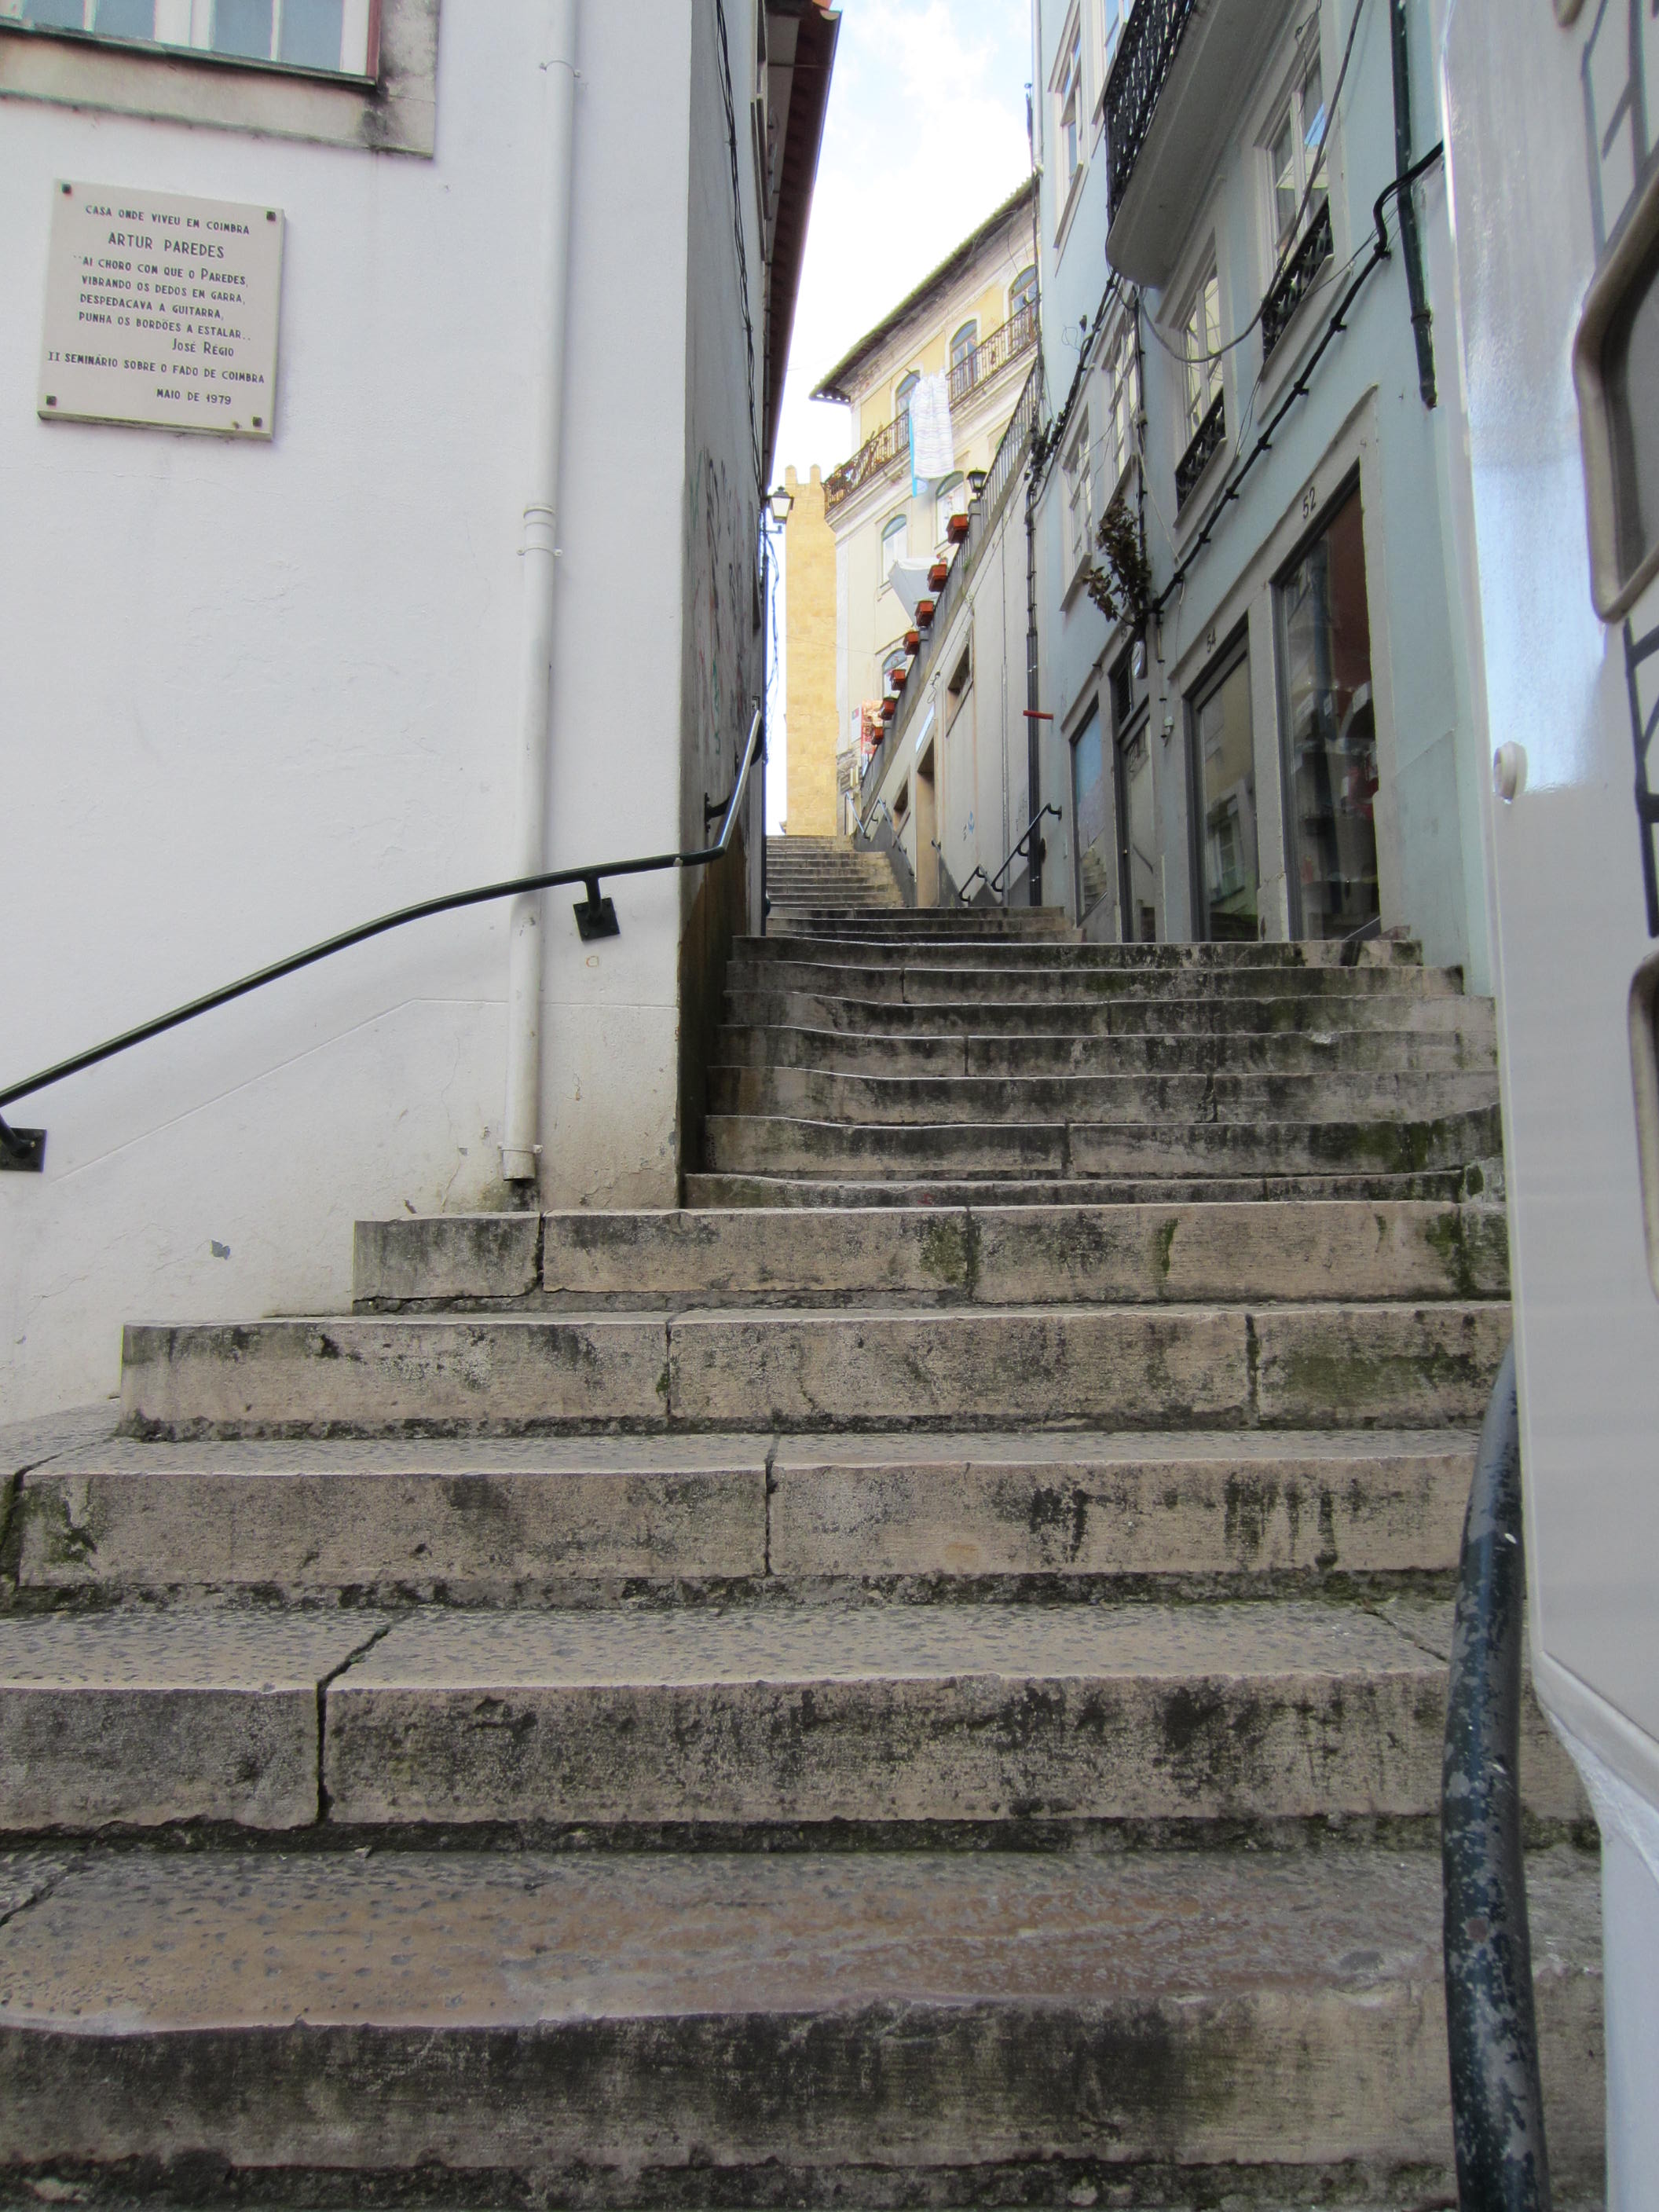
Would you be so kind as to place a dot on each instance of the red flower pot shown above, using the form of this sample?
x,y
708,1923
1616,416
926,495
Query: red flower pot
x,y
888,708
957,529
936,574
897,678
925,612
912,640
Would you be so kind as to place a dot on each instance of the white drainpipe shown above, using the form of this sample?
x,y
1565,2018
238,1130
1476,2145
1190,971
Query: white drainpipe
x,y
521,1146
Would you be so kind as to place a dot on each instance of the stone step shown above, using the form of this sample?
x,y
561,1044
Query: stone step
x,y
1274,1052
741,1717
862,2028
956,941
1442,1185
1142,1016
1252,1098
1114,1255
862,1365
786,1144
1045,975
508,1521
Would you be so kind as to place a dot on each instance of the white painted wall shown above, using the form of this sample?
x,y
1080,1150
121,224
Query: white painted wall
x,y
250,695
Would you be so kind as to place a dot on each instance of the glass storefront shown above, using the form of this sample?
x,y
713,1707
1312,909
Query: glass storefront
x,y
1091,812
1329,727
1224,777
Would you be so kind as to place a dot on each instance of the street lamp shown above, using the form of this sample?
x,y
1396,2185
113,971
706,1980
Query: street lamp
x,y
977,481
779,501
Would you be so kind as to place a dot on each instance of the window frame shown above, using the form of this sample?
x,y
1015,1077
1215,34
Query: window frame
x,y
951,486
1067,92
901,391
1078,473
895,530
1120,374
1026,305
956,350
1287,111
1198,391
194,50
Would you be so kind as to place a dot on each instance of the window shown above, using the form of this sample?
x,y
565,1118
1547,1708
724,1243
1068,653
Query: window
x,y
338,38
895,657
1120,370
1200,347
1112,13
1292,151
1023,299
950,498
963,344
906,385
895,543
1079,494
1068,108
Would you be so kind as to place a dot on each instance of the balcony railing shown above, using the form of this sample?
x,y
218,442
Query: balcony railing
x,y
888,445
1144,55
1297,280
1210,434
1005,345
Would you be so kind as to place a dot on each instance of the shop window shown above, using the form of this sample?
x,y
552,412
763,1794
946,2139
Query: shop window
x,y
1329,723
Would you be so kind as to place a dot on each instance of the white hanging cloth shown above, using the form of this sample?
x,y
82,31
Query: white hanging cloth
x,y
933,449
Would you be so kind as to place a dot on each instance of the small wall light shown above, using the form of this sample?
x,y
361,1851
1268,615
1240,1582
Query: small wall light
x,y
781,501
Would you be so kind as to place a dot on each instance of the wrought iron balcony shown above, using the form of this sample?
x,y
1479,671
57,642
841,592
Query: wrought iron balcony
x,y
1144,55
877,453
1295,280
1210,435
1015,337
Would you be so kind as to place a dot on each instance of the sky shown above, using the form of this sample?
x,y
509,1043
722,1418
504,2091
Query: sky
x,y
925,134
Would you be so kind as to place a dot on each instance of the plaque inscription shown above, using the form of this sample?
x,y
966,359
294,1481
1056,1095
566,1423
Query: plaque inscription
x,y
160,311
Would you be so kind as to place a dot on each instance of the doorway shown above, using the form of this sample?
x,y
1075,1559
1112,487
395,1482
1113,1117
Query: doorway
x,y
1137,819
1223,767
926,832
1329,721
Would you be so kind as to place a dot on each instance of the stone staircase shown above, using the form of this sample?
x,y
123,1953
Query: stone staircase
x,y
826,876
914,1682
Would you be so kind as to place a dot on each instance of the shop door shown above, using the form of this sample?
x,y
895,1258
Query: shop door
x,y
926,832
1223,787
1136,821
1330,733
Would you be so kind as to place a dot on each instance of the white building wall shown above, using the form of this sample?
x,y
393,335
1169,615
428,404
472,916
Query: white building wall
x,y
252,695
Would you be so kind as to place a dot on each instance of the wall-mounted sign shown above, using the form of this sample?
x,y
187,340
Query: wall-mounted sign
x,y
160,311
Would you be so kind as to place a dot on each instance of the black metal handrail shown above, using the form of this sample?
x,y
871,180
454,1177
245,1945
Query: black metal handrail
x,y
1295,280
1006,343
1492,2033
994,883
1206,441
25,1148
879,451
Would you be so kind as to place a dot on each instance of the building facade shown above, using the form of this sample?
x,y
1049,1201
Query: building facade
x,y
258,688
974,319
1251,712
811,720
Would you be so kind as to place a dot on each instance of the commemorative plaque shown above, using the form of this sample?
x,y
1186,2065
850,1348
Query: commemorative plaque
x,y
160,311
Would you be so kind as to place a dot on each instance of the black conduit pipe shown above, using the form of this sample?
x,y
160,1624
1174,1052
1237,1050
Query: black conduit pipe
x,y
1497,2111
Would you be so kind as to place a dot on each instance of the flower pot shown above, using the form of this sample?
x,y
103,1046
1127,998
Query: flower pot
x,y
936,574
888,708
957,529
912,640
924,612
898,678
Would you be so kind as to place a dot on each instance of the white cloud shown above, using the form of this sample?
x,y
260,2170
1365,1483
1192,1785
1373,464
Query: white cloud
x,y
925,134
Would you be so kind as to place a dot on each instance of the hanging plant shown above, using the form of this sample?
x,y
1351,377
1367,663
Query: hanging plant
x,y
1122,589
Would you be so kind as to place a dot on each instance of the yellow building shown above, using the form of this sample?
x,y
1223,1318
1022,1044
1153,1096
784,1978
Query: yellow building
x,y
809,555
975,318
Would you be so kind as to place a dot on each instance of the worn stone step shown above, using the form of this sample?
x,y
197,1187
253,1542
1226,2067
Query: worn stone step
x,y
955,941
908,923
1276,1052
1252,1097
150,1718
868,1366
519,1521
1146,1014
883,2028
1116,1255
1042,974
1444,1186
786,1144
774,1715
